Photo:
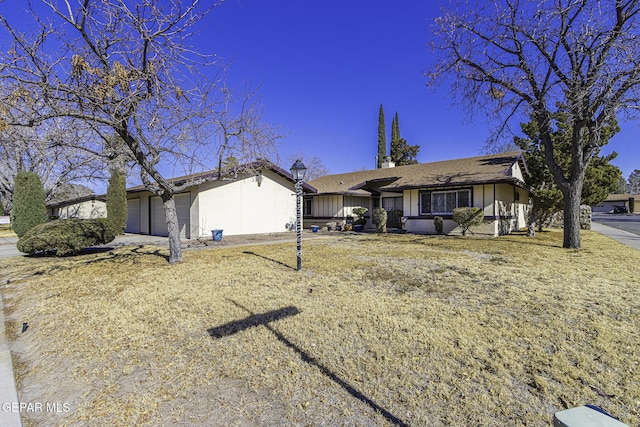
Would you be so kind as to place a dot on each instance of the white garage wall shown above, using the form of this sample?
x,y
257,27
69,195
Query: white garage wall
x,y
133,216
243,207
158,217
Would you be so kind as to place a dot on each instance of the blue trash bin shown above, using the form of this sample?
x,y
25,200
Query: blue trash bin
x,y
217,235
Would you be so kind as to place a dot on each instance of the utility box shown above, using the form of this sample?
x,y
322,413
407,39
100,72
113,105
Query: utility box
x,y
585,416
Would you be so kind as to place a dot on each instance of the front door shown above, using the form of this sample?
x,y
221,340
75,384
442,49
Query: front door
x,y
393,206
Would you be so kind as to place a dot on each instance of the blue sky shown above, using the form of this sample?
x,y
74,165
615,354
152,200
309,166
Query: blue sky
x,y
325,68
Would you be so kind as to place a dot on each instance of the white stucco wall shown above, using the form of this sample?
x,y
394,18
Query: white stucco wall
x,y
243,207
516,171
85,210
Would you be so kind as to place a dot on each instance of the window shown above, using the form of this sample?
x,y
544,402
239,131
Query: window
x,y
307,206
443,202
392,203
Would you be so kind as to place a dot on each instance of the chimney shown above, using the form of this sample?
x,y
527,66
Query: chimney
x,y
387,163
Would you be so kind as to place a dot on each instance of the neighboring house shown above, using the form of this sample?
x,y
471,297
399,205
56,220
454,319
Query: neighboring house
x,y
630,201
417,193
259,200
85,207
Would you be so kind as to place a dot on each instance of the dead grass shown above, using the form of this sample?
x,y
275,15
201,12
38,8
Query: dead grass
x,y
376,330
6,231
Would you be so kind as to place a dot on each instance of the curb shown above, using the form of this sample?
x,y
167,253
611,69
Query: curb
x,y
9,404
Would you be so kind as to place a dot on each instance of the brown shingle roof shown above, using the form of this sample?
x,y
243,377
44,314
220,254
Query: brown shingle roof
x,y
448,173
213,175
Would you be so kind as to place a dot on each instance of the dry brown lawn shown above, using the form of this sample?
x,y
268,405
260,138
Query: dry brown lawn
x,y
376,330
6,231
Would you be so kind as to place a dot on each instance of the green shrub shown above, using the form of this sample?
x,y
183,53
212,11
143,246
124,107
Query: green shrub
x,y
360,212
438,223
379,217
467,217
117,202
29,207
66,236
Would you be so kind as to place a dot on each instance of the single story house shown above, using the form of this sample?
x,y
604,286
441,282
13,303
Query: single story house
x,y
85,207
629,201
414,194
258,198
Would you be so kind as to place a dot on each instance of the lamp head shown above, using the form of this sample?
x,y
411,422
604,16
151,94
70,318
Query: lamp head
x,y
298,170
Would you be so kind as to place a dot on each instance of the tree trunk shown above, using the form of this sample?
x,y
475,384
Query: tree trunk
x,y
572,215
532,218
175,248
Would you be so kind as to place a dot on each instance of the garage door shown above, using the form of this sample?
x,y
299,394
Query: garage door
x,y
158,219
133,216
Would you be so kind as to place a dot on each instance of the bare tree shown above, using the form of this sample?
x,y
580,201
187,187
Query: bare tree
x,y
315,166
41,149
240,133
126,68
544,59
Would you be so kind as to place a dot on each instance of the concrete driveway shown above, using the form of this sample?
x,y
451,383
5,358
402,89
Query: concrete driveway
x,y
8,247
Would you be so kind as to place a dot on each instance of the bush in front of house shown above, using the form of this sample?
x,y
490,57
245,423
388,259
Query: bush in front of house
x,y
467,217
360,212
66,236
379,217
29,207
438,224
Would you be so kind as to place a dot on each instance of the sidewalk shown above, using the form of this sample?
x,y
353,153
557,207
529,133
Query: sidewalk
x,y
621,236
9,413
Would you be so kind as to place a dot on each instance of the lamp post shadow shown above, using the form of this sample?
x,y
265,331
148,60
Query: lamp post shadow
x,y
265,319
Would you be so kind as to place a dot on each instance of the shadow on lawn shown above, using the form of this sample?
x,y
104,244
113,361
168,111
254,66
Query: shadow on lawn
x,y
103,253
269,259
264,319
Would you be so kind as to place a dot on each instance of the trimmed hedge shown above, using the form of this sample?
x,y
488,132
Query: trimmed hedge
x,y
65,236
360,212
466,217
438,224
379,216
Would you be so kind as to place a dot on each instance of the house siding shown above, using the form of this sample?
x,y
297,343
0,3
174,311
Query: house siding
x,y
85,210
237,207
141,225
502,212
243,207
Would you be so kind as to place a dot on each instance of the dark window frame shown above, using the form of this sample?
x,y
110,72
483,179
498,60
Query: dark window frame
x,y
307,206
427,196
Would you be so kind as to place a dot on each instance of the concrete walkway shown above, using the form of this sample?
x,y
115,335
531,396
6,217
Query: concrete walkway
x,y
9,409
629,239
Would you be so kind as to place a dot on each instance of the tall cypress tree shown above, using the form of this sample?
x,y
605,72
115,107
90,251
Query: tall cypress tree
x,y
29,206
382,139
117,202
395,138
401,152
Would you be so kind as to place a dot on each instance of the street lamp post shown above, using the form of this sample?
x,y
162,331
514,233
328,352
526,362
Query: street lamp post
x,y
298,169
